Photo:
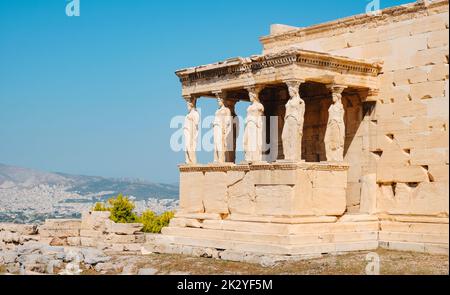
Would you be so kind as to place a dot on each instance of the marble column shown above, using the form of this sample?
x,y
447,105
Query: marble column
x,y
253,134
223,130
190,130
293,123
335,133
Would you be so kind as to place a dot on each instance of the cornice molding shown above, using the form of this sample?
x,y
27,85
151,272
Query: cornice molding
x,y
265,167
304,58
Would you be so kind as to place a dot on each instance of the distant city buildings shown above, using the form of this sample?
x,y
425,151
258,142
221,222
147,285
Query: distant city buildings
x,y
35,204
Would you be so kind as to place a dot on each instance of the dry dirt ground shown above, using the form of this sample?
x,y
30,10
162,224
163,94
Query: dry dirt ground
x,y
391,263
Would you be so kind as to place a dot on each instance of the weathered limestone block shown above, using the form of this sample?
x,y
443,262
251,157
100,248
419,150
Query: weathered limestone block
x,y
392,31
199,216
414,237
124,239
274,200
394,155
333,43
28,238
215,192
62,224
274,177
429,24
74,241
191,192
423,199
364,37
438,72
395,174
330,179
303,202
439,249
414,227
438,39
124,228
438,173
132,247
437,156
91,233
411,76
59,233
9,237
329,201
438,138
88,242
368,193
438,110
353,194
433,56
95,220
241,193
186,222
428,90
414,219
23,229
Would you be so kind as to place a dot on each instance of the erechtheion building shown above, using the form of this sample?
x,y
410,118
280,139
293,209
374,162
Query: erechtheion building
x,y
361,154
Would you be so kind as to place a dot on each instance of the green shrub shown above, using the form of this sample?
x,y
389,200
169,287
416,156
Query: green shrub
x,y
100,207
153,223
122,210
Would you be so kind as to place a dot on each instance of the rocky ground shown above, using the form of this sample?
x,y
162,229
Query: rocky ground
x,y
41,259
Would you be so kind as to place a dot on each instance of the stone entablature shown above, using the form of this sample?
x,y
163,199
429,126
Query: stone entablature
x,y
277,68
264,166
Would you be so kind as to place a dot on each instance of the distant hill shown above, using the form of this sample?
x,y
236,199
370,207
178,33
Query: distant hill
x,y
18,177
11,176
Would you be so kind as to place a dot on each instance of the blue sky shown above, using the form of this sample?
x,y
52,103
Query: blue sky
x,y
95,94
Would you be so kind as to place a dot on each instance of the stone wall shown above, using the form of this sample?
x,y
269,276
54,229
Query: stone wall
x,y
313,147
405,135
94,230
276,190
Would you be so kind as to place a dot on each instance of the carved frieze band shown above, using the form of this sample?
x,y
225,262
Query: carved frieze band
x,y
265,167
326,62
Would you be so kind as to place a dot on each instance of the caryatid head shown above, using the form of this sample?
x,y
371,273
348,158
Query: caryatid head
x,y
191,103
253,93
336,97
294,88
336,92
220,96
220,102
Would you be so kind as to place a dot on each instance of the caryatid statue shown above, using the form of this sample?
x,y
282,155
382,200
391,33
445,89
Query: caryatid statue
x,y
223,130
293,123
253,134
335,133
191,125
230,155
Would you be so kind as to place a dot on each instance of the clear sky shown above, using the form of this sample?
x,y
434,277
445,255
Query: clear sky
x,y
95,94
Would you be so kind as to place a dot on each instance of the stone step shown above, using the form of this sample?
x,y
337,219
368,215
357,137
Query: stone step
x,y
298,239
430,248
427,228
413,237
276,228
177,244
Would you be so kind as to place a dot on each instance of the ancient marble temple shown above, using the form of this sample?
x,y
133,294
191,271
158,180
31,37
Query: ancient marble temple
x,y
361,153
